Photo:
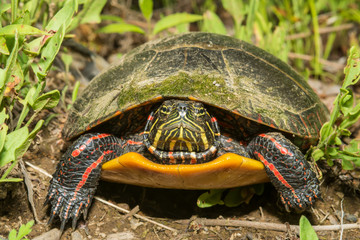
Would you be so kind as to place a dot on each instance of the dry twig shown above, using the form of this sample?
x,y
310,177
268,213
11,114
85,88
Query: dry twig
x,y
266,225
334,66
321,31
109,203
29,188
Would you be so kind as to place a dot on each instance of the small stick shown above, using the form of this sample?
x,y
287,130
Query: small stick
x,y
135,215
336,66
266,226
321,31
133,211
109,203
261,212
29,188
342,219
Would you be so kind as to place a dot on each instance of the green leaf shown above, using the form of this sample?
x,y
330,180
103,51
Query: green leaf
x,y
13,141
75,91
354,146
35,45
337,141
306,230
47,100
332,151
32,7
67,60
146,7
11,180
346,164
12,235
174,20
235,8
4,7
213,24
92,14
23,231
237,196
211,198
22,29
3,47
121,28
182,28
352,68
10,63
48,54
112,18
63,17
3,116
26,144
317,154
3,132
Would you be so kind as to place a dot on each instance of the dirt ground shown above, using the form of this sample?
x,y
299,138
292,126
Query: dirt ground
x,y
174,208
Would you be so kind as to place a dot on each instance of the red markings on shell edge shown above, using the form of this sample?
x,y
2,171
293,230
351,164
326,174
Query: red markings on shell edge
x,y
282,149
278,175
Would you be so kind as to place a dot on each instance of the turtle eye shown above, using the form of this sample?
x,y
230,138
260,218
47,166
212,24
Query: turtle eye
x,y
199,111
164,109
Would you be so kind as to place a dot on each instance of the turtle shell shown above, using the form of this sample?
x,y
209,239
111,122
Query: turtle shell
x,y
246,88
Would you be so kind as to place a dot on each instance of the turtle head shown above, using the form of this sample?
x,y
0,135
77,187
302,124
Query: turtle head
x,y
181,126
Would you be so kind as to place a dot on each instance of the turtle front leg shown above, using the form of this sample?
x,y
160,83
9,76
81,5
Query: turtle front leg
x,y
287,169
74,182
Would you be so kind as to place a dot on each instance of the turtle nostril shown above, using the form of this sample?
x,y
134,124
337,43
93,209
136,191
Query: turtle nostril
x,y
182,108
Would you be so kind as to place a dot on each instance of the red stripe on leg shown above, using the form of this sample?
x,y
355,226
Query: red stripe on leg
x,y
85,176
278,175
282,149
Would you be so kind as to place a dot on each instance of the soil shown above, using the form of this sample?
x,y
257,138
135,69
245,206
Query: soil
x,y
169,207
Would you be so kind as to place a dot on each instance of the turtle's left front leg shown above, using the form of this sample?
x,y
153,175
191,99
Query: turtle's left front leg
x,y
74,183
287,169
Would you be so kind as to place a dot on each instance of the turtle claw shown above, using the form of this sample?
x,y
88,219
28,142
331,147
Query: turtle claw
x,y
67,203
63,222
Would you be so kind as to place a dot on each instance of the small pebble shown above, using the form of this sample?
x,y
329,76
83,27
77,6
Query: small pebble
x,y
53,234
121,236
76,236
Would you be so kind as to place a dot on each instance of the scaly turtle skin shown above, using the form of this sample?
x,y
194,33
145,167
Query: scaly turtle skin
x,y
176,112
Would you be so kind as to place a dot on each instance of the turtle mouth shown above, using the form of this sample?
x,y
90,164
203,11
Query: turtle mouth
x,y
181,139
182,126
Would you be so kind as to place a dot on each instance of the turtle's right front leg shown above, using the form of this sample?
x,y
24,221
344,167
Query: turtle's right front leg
x,y
76,177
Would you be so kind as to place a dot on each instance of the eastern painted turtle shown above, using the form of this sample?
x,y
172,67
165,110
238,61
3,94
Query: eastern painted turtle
x,y
191,111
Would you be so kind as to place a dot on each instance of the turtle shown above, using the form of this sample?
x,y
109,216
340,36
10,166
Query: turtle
x,y
190,111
